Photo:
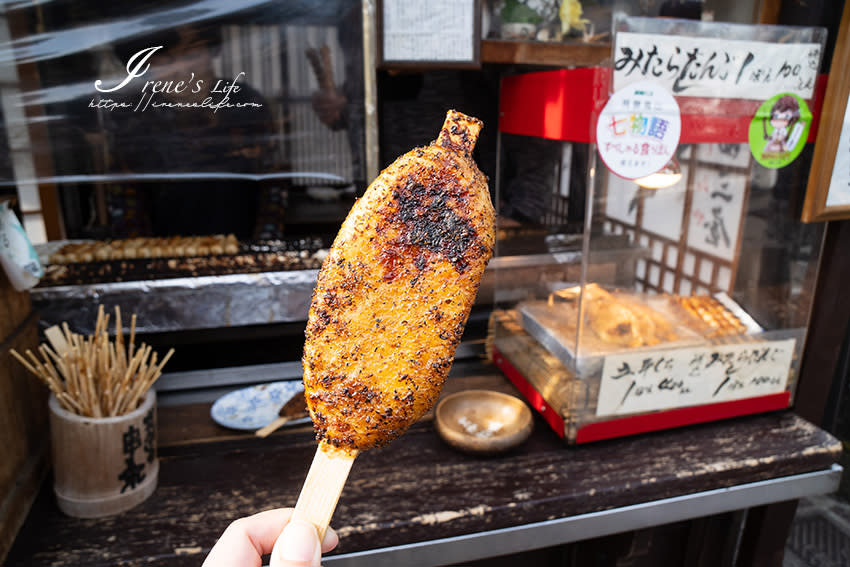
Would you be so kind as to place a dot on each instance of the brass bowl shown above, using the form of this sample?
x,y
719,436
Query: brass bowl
x,y
483,421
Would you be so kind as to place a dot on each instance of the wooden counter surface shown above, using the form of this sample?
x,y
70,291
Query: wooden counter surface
x,y
414,490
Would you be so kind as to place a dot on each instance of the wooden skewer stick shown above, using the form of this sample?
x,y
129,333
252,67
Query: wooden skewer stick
x,y
157,372
41,370
25,362
123,390
67,332
275,425
49,366
106,363
99,321
49,379
122,386
69,403
132,346
87,399
272,427
323,486
121,352
95,399
78,390
85,386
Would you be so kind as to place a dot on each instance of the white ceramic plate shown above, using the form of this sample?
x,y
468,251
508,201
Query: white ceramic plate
x,y
255,407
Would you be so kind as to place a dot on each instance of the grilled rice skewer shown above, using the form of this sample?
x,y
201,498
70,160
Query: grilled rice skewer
x,y
391,303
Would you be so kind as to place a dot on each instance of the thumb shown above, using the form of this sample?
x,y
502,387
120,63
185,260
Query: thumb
x,y
297,546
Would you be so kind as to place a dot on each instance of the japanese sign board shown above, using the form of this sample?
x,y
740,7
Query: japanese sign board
x,y
716,68
649,381
638,130
716,212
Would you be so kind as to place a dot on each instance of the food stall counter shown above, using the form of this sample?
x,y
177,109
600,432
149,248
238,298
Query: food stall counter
x,y
421,502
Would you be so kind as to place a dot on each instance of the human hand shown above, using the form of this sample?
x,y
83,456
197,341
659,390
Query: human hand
x,y
246,540
329,106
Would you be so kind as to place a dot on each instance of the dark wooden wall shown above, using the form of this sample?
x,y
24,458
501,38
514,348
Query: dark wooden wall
x,y
23,415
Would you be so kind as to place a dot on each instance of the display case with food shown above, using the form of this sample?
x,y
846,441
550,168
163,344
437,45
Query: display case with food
x,y
224,187
620,321
692,275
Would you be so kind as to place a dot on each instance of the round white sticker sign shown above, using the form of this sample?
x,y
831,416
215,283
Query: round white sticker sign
x,y
638,130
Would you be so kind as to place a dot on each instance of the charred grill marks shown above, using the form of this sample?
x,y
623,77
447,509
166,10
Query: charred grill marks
x,y
427,220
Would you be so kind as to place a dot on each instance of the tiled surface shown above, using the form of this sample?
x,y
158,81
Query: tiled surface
x,y
820,534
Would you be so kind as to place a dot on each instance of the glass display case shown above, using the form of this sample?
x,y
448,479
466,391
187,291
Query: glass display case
x,y
668,299
206,153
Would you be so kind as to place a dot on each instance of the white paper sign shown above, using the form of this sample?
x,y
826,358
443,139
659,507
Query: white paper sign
x,y
638,130
839,184
648,381
716,68
439,30
715,220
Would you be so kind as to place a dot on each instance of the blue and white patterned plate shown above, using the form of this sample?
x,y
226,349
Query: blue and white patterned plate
x,y
255,407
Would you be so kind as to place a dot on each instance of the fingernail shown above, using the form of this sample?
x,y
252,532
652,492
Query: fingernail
x,y
300,542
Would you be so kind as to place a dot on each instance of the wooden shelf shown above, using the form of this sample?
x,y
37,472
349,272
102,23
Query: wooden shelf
x,y
557,54
396,511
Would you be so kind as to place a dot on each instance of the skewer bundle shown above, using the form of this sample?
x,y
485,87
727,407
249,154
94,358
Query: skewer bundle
x,y
94,376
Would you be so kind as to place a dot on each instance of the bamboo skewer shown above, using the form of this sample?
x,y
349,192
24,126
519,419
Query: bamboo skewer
x,y
132,335
323,486
279,422
94,376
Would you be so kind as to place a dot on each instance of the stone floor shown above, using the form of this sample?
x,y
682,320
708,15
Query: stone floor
x,y
820,534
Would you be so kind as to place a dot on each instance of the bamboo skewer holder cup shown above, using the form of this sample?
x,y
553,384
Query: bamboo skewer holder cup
x,y
103,465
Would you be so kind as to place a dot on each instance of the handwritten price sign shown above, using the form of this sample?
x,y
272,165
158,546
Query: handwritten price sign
x,y
649,381
716,68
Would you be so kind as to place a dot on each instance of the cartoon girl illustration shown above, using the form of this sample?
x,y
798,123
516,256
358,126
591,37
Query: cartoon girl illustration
x,y
784,118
